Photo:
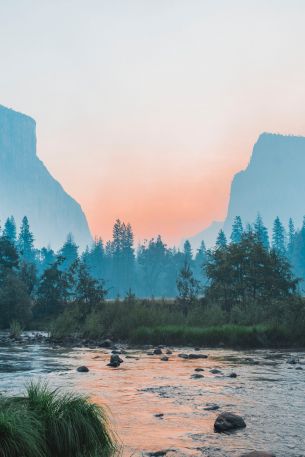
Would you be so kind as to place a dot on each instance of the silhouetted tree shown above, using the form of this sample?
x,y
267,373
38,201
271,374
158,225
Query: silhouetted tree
x,y
188,288
26,242
221,240
261,232
237,230
278,237
9,230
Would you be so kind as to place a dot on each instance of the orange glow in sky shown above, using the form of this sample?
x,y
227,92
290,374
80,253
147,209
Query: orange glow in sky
x,y
146,109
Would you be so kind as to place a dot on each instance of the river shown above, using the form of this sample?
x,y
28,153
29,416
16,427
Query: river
x,y
157,405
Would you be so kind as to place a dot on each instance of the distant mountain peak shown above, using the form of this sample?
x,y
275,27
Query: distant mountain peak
x,y
27,188
272,184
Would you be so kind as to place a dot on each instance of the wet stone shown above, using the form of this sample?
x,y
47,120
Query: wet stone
x,y
82,369
197,376
228,421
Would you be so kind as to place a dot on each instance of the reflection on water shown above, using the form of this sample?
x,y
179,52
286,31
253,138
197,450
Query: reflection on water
x,y
157,405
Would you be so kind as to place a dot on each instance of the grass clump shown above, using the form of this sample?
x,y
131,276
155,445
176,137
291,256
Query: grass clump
x,y
50,423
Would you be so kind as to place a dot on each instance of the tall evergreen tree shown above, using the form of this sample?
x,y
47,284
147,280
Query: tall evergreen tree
x,y
26,242
291,237
278,237
221,240
68,252
261,232
237,230
187,251
188,288
9,230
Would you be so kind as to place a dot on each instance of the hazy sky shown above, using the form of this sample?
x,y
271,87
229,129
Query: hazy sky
x,y
146,108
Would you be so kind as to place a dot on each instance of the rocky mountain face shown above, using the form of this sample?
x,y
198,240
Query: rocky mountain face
x,y
273,184
27,188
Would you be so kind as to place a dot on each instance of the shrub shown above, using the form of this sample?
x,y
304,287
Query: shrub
x,y
49,423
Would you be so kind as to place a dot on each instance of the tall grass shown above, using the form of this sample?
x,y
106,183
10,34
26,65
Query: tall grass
x,y
50,423
228,335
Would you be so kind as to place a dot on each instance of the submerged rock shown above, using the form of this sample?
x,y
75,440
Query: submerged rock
x,y
232,375
258,454
183,356
215,371
228,421
199,369
198,356
197,376
82,369
164,358
169,352
211,407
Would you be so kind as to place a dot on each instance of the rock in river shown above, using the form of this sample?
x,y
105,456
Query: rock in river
x,y
115,361
157,351
197,376
83,369
257,454
228,421
198,356
164,358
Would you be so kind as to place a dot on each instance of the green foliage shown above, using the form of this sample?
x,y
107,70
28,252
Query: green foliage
x,y
244,273
48,423
15,329
188,288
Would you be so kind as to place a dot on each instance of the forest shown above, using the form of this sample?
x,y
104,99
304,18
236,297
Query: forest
x,y
247,288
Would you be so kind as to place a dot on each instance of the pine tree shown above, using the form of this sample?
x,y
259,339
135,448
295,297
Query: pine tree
x,y
200,261
291,237
278,237
221,240
9,230
26,242
68,252
187,251
237,230
188,288
261,232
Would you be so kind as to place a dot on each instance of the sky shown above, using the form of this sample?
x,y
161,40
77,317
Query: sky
x,y
145,109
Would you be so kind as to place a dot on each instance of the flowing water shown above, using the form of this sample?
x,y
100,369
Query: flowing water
x,y
157,405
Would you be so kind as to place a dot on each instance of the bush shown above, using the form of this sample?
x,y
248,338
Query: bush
x,y
15,329
48,423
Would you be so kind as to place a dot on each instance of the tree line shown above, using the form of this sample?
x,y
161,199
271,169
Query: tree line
x,y
247,275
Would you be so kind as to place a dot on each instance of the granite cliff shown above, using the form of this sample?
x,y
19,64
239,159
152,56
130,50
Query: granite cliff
x,y
27,187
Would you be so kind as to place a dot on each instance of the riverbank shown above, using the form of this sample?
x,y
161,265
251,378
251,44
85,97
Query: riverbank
x,y
223,336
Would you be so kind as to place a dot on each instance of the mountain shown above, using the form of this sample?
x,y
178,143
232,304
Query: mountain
x,y
27,187
273,184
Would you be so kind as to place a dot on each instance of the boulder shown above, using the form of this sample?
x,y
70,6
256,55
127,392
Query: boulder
x,y
158,351
164,358
82,369
199,369
115,361
228,421
106,343
169,352
183,356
